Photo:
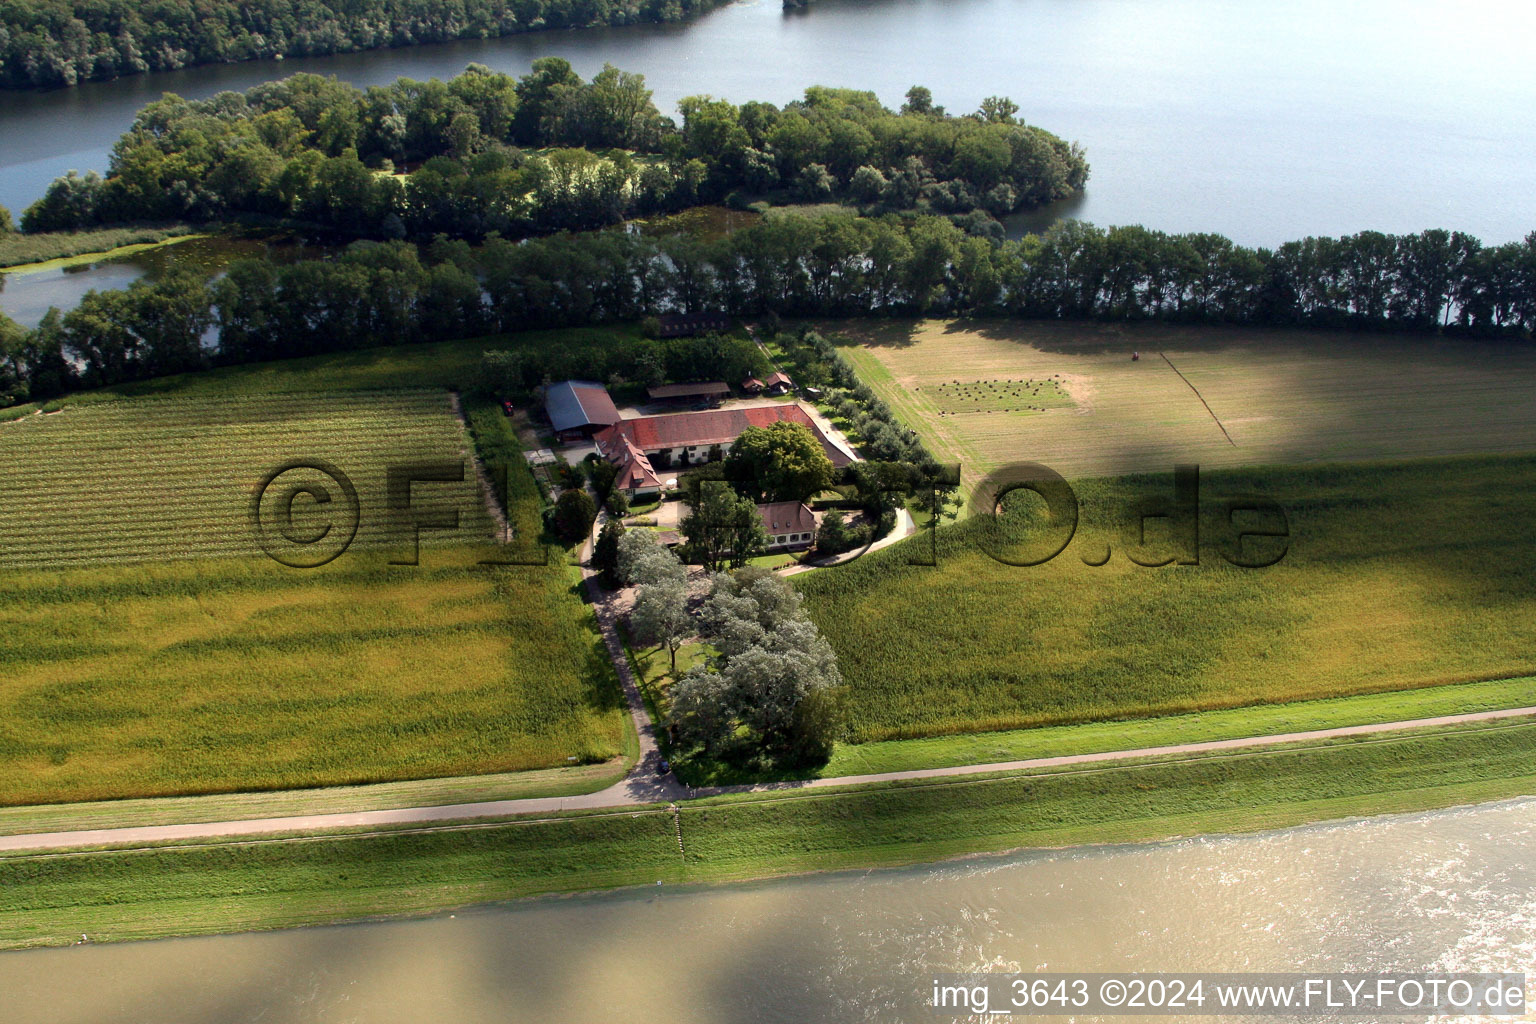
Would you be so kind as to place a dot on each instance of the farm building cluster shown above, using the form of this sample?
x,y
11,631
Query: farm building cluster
x,y
648,450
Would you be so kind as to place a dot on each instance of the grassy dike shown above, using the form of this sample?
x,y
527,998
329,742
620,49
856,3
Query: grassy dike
x,y
1228,723
204,888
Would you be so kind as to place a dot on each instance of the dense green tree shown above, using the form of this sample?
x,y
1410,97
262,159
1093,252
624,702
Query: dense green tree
x,y
49,43
573,515
722,529
71,202
780,462
999,110
538,94
145,330
49,370
660,617
605,551
14,385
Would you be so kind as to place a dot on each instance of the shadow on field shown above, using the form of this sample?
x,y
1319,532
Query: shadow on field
x,y
603,690
1093,337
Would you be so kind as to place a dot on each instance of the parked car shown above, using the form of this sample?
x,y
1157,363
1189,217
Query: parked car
x,y
663,768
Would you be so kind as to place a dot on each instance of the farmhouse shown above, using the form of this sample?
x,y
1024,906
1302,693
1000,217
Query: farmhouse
x,y
790,524
644,447
579,408
636,475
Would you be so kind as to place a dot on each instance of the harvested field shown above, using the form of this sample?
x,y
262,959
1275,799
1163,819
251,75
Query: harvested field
x,y
1282,396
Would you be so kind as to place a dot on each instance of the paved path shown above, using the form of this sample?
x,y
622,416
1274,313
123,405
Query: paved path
x,y
905,527
643,786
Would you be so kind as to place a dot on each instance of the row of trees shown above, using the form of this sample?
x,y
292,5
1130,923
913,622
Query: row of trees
x,y
51,43
393,293
486,153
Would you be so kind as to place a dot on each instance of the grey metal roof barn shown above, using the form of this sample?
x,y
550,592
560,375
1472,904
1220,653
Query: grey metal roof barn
x,y
579,405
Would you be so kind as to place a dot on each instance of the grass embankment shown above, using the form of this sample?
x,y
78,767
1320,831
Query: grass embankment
x,y
111,895
1397,576
1233,723
180,810
22,254
147,647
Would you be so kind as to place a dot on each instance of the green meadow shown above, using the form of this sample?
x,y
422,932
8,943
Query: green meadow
x,y
1394,576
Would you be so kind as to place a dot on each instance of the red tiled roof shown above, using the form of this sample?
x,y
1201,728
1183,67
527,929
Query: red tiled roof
x,y
710,427
635,470
779,377
787,517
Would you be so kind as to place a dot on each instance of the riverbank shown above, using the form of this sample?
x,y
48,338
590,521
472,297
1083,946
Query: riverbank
x,y
241,885
28,254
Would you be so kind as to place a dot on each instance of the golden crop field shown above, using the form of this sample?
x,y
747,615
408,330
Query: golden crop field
x,y
1282,396
149,646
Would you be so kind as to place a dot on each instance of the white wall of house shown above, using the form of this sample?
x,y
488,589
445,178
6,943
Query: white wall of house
x,y
687,456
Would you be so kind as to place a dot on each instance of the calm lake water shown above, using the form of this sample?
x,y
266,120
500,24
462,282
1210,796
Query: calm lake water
x,y
1263,121
27,297
1453,890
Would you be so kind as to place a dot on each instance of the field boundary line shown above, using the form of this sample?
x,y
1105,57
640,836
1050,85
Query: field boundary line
x,y
1203,402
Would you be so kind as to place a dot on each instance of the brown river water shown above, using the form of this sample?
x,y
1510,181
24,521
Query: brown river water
x,y
1450,890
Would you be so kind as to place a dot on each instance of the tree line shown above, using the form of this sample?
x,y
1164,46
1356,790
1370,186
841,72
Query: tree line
x,y
396,293
486,153
53,43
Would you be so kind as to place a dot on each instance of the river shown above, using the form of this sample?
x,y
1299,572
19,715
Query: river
x,y
1262,121
1448,891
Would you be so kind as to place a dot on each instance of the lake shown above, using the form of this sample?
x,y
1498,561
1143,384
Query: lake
x,y
1447,891
1264,122
27,296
